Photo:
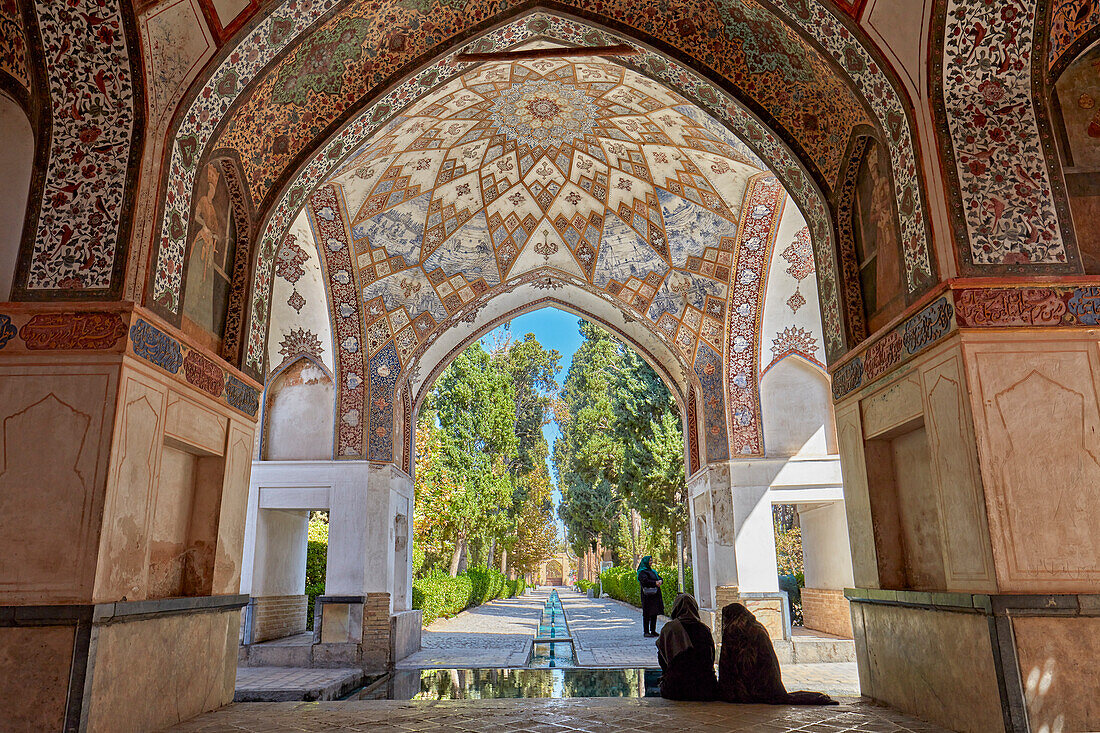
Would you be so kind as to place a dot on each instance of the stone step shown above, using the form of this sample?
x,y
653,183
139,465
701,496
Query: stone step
x,y
289,684
814,650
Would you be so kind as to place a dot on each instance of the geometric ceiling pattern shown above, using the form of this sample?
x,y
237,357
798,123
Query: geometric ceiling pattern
x,y
758,50
586,166
582,169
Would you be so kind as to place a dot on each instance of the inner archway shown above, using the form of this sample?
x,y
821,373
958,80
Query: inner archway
x,y
585,184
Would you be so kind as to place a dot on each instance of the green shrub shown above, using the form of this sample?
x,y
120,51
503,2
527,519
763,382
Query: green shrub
x,y
622,584
316,562
439,595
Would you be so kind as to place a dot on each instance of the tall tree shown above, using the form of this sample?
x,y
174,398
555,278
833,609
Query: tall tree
x,y
620,457
480,448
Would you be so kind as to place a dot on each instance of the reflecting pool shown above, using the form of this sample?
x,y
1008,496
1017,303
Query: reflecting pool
x,y
483,684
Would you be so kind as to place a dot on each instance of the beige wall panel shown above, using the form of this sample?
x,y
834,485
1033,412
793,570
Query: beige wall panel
x,y
896,405
968,559
55,433
906,649
131,486
34,676
190,660
1058,668
856,498
1037,423
195,424
238,466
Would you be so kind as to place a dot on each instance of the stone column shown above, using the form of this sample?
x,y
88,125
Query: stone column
x,y
970,478
125,453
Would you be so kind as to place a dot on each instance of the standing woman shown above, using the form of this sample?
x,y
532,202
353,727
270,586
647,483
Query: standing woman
x,y
652,603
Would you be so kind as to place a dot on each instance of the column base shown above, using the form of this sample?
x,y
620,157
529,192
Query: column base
x,y
981,662
139,665
274,617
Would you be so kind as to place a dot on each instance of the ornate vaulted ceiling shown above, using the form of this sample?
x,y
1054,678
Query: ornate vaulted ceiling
x,y
541,174
587,169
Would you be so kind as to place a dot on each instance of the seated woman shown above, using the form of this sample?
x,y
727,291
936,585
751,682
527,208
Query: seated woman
x,y
748,670
685,650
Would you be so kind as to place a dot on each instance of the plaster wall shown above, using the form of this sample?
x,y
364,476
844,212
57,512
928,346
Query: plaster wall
x,y
298,417
16,160
825,546
281,553
1036,404
364,502
50,510
795,403
176,492
913,487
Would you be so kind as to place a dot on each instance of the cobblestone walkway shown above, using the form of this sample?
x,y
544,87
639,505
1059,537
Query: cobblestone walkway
x,y
607,633
495,634
607,715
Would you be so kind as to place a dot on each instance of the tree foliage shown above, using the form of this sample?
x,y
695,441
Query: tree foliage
x,y
619,460
479,449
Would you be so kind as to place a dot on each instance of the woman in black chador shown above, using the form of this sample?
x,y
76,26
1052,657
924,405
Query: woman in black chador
x,y
652,604
748,670
685,650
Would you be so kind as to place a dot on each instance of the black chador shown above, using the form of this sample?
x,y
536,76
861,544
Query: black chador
x,y
685,650
748,670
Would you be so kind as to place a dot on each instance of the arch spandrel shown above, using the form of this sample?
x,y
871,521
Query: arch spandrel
x,y
837,41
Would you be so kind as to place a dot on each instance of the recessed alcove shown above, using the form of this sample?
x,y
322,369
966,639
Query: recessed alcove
x,y
905,509
183,535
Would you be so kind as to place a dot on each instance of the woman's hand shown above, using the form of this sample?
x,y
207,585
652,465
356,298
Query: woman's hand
x,y
659,583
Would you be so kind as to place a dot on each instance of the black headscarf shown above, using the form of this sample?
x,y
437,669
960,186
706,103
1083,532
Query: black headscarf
x,y
674,639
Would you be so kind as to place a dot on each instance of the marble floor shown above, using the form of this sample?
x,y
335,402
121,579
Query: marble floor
x,y
605,715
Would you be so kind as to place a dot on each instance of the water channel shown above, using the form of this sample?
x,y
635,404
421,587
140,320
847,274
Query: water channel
x,y
551,672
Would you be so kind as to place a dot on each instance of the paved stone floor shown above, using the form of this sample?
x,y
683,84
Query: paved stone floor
x,y
495,634
607,633
295,683
606,715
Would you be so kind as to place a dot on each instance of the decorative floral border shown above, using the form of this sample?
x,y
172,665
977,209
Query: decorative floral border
x,y
1009,203
84,211
760,214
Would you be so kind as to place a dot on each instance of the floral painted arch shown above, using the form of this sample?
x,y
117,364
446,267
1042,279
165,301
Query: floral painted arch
x,y
270,43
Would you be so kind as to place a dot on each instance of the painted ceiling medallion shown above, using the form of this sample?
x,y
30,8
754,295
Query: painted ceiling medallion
x,y
541,113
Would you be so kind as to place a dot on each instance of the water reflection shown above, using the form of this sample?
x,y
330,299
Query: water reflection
x,y
482,684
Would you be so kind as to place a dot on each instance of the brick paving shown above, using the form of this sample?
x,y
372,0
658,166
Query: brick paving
x,y
607,715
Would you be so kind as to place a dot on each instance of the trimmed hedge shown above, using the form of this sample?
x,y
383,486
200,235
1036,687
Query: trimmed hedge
x,y
439,595
316,563
622,584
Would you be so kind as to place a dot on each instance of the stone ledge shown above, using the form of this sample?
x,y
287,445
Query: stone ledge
x,y
1015,604
121,611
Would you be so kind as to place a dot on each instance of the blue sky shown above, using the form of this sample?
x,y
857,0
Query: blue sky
x,y
554,329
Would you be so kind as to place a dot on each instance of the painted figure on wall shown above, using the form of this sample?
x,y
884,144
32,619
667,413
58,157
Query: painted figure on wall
x,y
210,262
878,243
1076,113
